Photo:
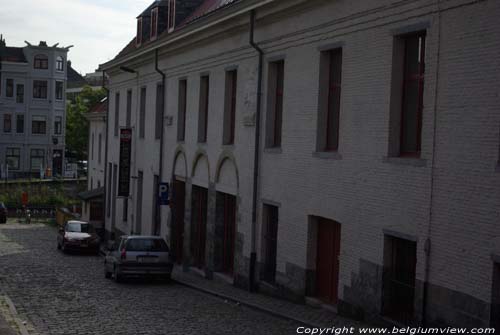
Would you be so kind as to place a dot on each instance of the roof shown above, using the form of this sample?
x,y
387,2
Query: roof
x,y
12,54
91,194
157,3
100,107
206,8
74,78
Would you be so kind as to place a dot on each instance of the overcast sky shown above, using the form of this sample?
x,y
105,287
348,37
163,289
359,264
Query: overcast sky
x,y
98,29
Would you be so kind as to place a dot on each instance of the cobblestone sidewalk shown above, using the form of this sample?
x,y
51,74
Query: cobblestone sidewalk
x,y
307,315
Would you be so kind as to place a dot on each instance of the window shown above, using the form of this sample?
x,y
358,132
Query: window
x,y
7,123
41,62
59,90
37,159
203,112
13,158
270,243
117,112
329,100
159,110
58,125
20,124
99,149
38,125
129,108
20,93
39,89
407,94
230,107
275,104
138,38
154,23
171,15
9,88
59,63
181,117
142,113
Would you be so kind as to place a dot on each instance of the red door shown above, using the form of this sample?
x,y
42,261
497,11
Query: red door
x,y
179,194
327,261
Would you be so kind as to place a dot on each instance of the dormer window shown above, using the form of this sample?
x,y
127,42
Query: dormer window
x,y
59,63
171,15
41,62
154,23
138,39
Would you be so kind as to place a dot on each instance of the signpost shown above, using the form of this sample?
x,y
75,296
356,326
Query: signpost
x,y
125,156
164,194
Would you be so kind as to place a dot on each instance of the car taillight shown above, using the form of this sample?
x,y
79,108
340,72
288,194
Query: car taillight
x,y
123,254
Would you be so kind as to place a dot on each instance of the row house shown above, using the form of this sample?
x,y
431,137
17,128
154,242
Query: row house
x,y
32,109
337,153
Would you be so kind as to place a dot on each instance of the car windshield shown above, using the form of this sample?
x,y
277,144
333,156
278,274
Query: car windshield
x,y
79,228
143,244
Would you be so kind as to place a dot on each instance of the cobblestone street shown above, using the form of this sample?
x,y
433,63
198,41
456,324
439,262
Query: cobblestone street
x,y
68,294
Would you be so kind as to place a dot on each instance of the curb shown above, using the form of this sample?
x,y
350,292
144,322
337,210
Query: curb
x,y
13,311
249,304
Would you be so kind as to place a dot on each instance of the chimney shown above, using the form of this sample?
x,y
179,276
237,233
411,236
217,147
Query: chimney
x,y
42,44
2,41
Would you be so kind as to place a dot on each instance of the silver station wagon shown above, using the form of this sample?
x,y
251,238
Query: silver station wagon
x,y
134,256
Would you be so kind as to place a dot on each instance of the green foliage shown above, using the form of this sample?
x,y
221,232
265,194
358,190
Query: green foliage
x,y
39,195
77,126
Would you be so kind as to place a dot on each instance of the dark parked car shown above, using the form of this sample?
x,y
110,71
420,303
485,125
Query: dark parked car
x,y
78,235
3,213
138,256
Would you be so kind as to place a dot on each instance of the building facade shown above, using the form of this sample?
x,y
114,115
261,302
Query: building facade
x,y
375,183
93,198
32,109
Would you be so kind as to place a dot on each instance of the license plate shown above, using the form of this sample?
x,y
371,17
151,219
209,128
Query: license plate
x,y
146,259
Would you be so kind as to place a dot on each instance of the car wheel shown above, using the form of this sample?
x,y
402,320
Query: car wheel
x,y
63,248
58,246
116,276
167,278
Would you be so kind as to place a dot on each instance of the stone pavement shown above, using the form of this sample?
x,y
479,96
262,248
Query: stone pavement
x,y
306,315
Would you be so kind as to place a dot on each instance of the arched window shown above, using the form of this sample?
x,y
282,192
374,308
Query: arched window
x,y
41,62
59,63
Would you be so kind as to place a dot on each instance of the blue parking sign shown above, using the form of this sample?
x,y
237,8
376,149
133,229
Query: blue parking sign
x,y
164,194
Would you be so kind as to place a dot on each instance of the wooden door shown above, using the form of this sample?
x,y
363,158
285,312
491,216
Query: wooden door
x,y
327,261
199,225
229,233
179,200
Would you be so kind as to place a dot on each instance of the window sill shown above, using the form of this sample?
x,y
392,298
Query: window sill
x,y
226,146
332,155
408,161
276,150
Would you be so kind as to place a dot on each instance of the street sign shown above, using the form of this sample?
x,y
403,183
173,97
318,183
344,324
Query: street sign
x,y
164,194
125,156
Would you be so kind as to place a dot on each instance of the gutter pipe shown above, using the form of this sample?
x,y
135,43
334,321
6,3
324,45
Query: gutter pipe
x,y
160,168
253,255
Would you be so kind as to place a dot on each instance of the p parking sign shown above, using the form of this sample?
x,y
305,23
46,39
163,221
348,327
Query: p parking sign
x,y
164,194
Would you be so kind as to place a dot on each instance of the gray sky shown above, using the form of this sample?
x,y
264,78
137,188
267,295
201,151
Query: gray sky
x,y
98,29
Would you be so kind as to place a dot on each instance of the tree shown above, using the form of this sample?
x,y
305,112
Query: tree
x,y
77,126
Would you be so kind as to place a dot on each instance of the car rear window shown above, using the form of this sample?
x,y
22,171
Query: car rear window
x,y
79,228
143,244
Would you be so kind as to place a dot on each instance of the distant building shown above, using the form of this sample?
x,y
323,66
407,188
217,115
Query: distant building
x,y
93,198
32,109
76,82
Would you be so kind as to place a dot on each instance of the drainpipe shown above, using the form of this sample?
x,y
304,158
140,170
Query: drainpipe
x,y
427,246
105,212
253,255
160,168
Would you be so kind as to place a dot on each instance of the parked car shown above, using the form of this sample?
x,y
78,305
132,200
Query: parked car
x,y
78,235
138,256
3,213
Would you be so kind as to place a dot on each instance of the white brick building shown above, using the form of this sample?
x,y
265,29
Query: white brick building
x,y
378,175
